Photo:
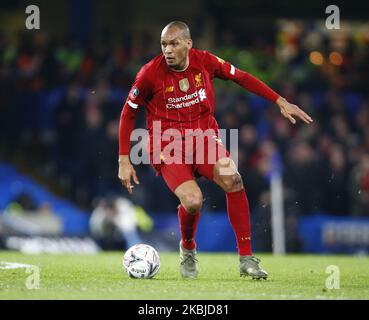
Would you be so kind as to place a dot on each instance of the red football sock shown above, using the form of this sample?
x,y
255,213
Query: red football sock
x,y
239,216
188,225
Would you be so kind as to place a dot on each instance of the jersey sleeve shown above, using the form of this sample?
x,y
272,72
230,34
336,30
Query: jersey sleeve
x,y
138,96
140,90
222,69
218,67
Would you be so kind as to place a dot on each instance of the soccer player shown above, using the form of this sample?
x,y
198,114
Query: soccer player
x,y
176,89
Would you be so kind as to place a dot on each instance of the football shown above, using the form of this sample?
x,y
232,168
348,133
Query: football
x,y
141,261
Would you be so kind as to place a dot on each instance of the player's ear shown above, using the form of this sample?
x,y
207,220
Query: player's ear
x,y
189,43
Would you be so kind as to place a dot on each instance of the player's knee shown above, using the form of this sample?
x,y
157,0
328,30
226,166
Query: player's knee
x,y
232,183
192,202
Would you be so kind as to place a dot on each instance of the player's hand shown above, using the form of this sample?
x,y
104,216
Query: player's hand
x,y
127,173
289,110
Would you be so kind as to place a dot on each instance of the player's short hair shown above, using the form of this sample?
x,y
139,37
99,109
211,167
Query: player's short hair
x,y
181,26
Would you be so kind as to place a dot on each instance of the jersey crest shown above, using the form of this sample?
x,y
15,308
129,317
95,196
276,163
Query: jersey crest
x,y
198,79
184,85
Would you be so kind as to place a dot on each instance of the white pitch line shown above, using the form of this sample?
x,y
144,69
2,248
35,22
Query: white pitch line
x,y
13,265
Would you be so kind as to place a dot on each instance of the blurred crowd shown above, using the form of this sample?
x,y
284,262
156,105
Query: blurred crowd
x,y
60,105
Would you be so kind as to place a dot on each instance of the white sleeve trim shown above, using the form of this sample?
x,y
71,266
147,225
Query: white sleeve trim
x,y
133,105
233,70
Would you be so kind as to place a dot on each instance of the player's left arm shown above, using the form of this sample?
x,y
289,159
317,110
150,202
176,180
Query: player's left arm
x,y
289,110
225,70
256,86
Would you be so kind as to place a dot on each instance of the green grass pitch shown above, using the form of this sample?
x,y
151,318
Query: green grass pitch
x,y
101,276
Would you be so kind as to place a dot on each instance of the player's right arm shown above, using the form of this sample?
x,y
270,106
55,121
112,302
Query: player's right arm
x,y
138,96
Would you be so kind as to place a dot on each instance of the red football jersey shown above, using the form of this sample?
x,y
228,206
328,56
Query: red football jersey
x,y
182,99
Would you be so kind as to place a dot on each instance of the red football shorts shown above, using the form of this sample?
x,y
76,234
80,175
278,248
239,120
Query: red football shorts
x,y
192,162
